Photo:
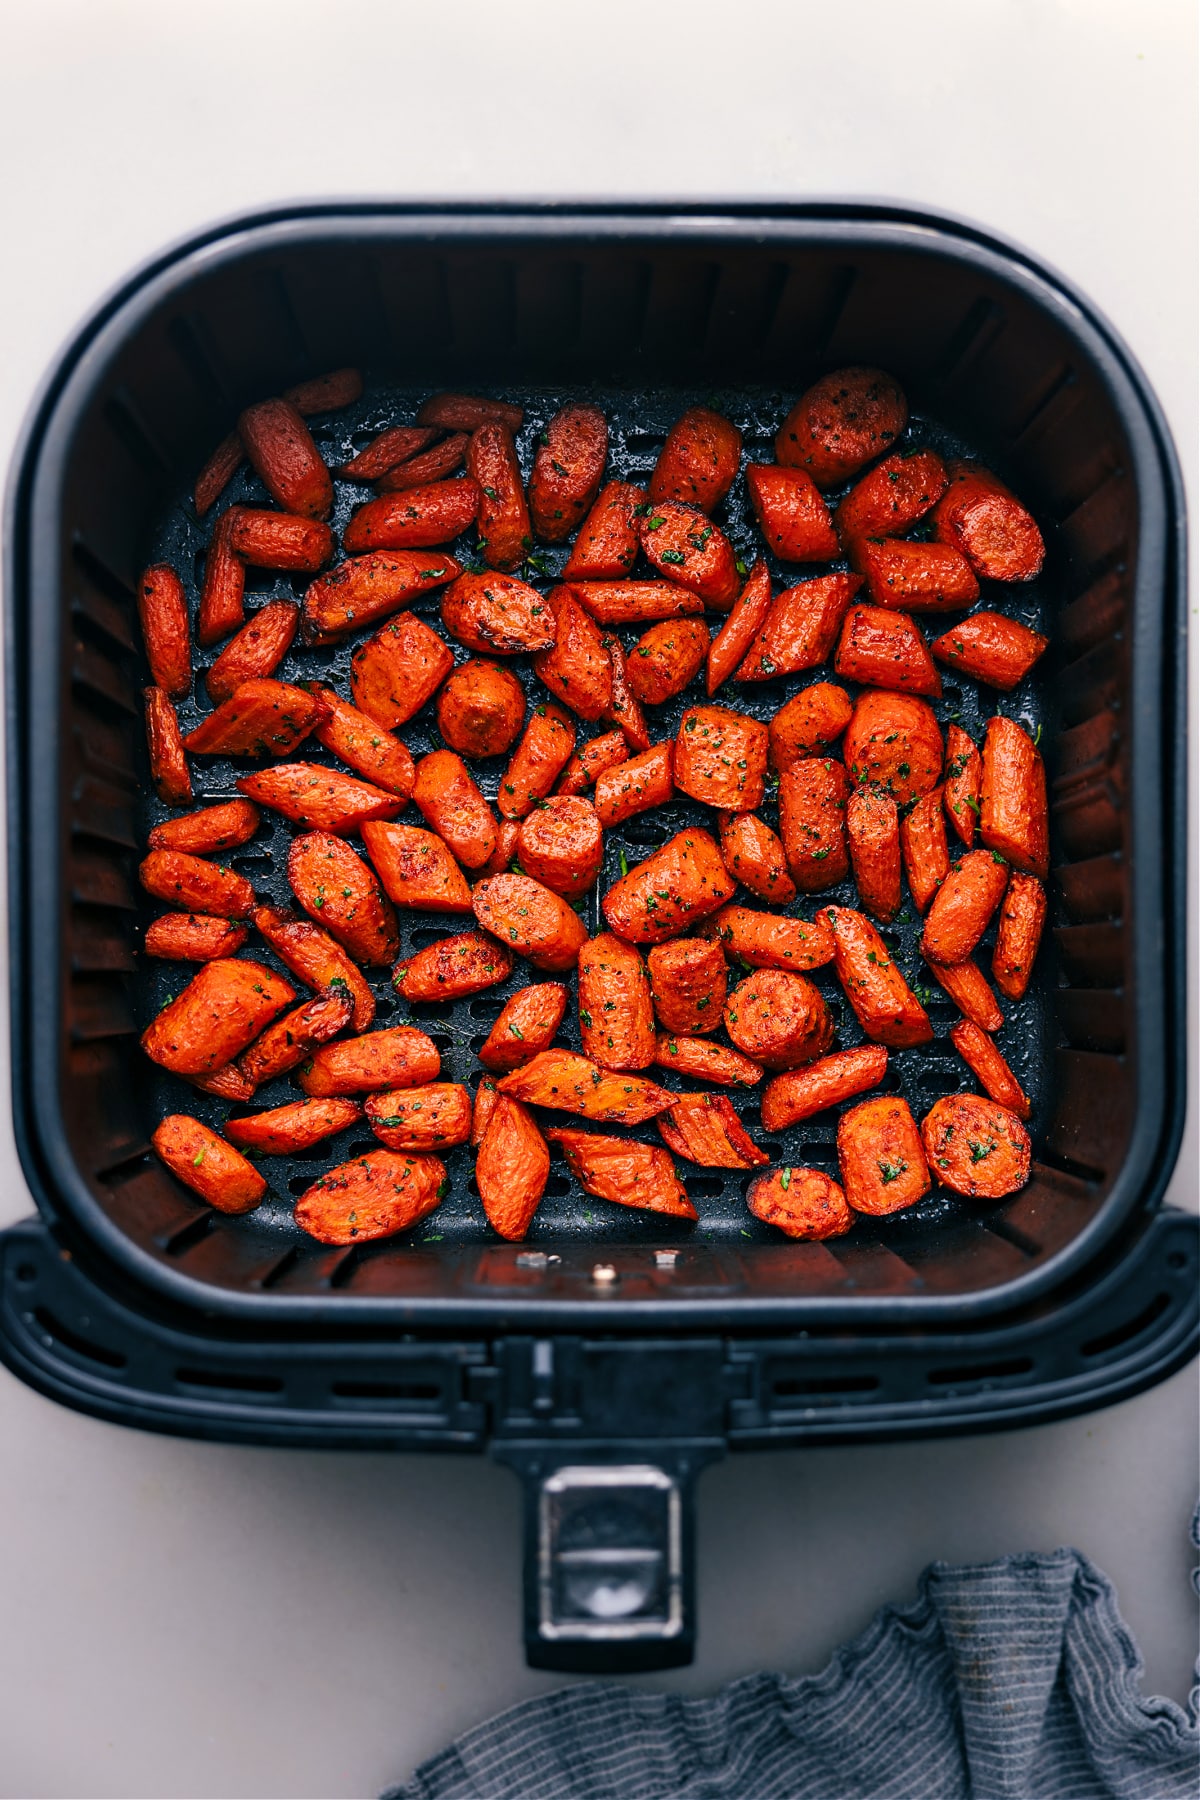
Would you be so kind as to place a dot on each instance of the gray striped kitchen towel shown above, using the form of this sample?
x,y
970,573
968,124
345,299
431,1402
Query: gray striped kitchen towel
x,y
1014,1680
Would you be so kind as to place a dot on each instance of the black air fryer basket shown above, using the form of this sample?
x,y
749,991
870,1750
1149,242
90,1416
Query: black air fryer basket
x,y
608,1357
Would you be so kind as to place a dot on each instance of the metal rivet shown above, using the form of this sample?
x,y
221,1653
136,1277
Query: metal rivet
x,y
604,1275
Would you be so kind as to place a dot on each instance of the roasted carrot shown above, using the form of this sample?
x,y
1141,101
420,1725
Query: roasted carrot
x,y
448,799
842,423
684,547
629,1173
397,670
222,591
1012,798
197,886
626,707
892,496
699,461
530,920
992,648
635,602
916,577
284,457
525,1027
505,531
192,937
967,987
766,941
801,1093
256,651
873,835
503,859
884,1004
1022,915
678,885
207,1164
880,1157
512,1166
989,1068
894,742
706,1061
486,1096
665,659
399,443
791,514
576,668
616,1013
165,748
464,412
364,589
363,744
451,969
337,889
568,1083
637,785
885,649
319,798
416,519
746,619
592,760
162,610
538,760
223,827
721,758
812,822
315,959
273,540
261,718
415,868
808,723
923,842
688,985
399,1057
964,777
435,1117
976,1147
497,615
979,516
607,545
217,473
802,1203
284,1045
963,906
326,393
374,1196
800,628
222,1009
481,708
227,1083
704,1129
288,1130
562,846
754,855
433,464
567,471
779,1019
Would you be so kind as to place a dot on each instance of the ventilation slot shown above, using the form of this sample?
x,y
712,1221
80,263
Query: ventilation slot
x,y
81,1346
977,331
193,1233
188,344
230,1381
997,1371
131,431
102,577
419,1392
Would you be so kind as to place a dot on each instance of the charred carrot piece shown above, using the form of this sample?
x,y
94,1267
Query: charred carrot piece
x,y
699,461
894,742
567,471
808,723
217,473
963,906
746,619
540,757
894,495
967,987
401,1057
454,967
433,464
530,920
779,1019
800,628
465,412
873,834
923,843
801,1093
616,1012
165,746
754,855
1022,916
766,941
512,1166
435,1117
618,1169
706,1061
192,937
607,545
364,589
976,1147
812,822
593,759
416,519
684,547
576,668
989,1067
704,1129
791,514
449,801
207,1164
162,610
313,957
802,1203
885,649
256,652
676,887
398,444
262,718
326,393
505,531
227,1083
272,540
364,745
665,659
562,846
497,615
995,533
284,1045
884,1004
374,1196
637,785
221,1010
570,1083
335,887
322,799
525,1027
880,1157
198,886
635,602
486,1096
688,985
964,778
626,708
721,758
416,868
222,827
992,648
841,423
285,459
398,669
480,708
1012,798
916,577
287,1130
222,592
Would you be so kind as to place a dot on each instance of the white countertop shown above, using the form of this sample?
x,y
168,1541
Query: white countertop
x,y
193,1619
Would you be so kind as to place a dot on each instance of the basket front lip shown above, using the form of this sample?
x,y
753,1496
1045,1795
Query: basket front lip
x,y
1157,803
